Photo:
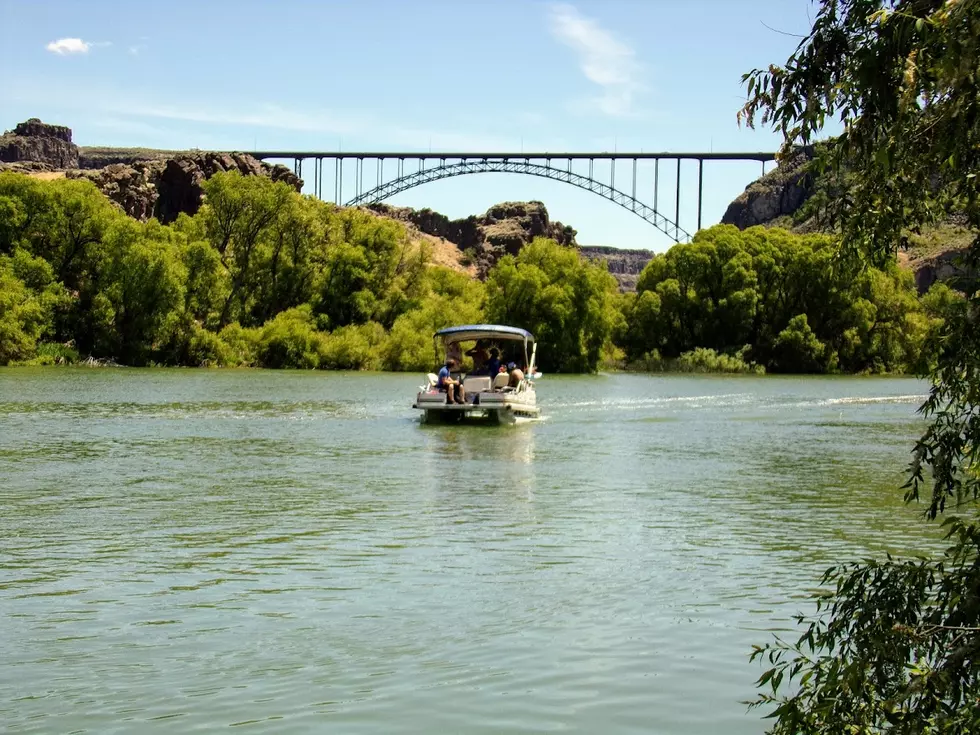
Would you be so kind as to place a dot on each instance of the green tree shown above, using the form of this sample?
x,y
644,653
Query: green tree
x,y
567,302
141,287
797,348
240,216
370,271
727,289
896,645
451,298
60,221
22,317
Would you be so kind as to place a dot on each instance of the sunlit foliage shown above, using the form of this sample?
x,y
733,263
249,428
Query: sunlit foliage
x,y
895,646
567,302
785,301
259,277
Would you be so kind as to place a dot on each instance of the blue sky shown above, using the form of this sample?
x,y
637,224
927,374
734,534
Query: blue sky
x,y
626,75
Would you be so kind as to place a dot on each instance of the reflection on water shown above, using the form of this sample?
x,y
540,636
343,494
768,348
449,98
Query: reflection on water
x,y
294,551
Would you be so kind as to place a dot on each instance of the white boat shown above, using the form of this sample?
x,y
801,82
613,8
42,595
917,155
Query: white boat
x,y
507,397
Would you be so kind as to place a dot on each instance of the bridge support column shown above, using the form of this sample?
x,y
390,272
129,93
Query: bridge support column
x,y
656,182
677,195
700,188
634,182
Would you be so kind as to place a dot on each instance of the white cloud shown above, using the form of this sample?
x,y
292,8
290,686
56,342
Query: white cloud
x,y
65,46
604,59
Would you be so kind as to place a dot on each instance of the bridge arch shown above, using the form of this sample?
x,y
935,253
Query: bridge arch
x,y
466,167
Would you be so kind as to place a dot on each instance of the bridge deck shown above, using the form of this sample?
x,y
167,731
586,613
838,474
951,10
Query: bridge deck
x,y
606,155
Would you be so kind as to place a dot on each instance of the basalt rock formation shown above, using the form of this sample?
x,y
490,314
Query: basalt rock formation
x,y
625,265
144,183
779,193
165,188
503,230
47,146
131,187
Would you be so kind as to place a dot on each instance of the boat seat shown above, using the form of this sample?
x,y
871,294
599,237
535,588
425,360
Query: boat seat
x,y
432,378
501,381
476,383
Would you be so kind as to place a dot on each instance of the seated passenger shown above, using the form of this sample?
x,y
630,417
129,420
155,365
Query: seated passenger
x,y
452,388
516,375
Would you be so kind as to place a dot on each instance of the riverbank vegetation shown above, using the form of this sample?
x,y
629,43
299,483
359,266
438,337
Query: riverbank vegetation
x,y
261,276
768,299
264,277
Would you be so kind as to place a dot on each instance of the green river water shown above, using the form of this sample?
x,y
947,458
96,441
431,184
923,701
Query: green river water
x,y
289,552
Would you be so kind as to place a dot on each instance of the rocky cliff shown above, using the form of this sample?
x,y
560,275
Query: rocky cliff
x,y
778,194
163,188
145,183
625,265
503,229
49,147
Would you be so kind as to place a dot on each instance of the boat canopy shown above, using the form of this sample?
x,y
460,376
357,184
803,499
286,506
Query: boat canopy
x,y
468,332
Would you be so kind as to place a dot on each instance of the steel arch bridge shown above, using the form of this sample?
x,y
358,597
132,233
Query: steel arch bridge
x,y
462,168
555,166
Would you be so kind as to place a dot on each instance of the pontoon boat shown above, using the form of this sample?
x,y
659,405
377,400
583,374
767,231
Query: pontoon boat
x,y
505,397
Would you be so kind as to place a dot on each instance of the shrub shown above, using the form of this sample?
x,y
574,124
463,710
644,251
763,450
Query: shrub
x,y
355,347
290,341
242,343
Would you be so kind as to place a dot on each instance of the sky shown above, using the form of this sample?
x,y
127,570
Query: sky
x,y
428,75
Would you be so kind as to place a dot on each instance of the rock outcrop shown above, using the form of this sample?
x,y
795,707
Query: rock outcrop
x,y
36,142
946,267
131,187
779,193
144,183
163,188
625,265
504,229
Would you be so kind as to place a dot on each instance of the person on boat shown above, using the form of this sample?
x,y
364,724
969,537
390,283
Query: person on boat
x,y
452,388
493,364
516,374
480,356
455,351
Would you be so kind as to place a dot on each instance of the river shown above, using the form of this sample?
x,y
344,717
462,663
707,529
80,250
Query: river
x,y
293,551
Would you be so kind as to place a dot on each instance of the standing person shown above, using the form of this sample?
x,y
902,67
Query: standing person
x,y
480,356
452,388
493,364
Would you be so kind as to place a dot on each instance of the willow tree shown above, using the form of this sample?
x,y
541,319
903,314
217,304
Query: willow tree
x,y
896,646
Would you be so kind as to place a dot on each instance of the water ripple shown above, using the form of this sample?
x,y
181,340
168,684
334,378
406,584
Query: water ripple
x,y
294,552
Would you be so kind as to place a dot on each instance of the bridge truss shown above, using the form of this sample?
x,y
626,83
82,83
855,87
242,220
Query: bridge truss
x,y
415,169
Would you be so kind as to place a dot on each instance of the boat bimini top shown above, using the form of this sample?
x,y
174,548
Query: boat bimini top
x,y
473,332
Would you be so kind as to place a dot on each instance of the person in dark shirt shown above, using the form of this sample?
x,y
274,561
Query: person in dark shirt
x,y
493,364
